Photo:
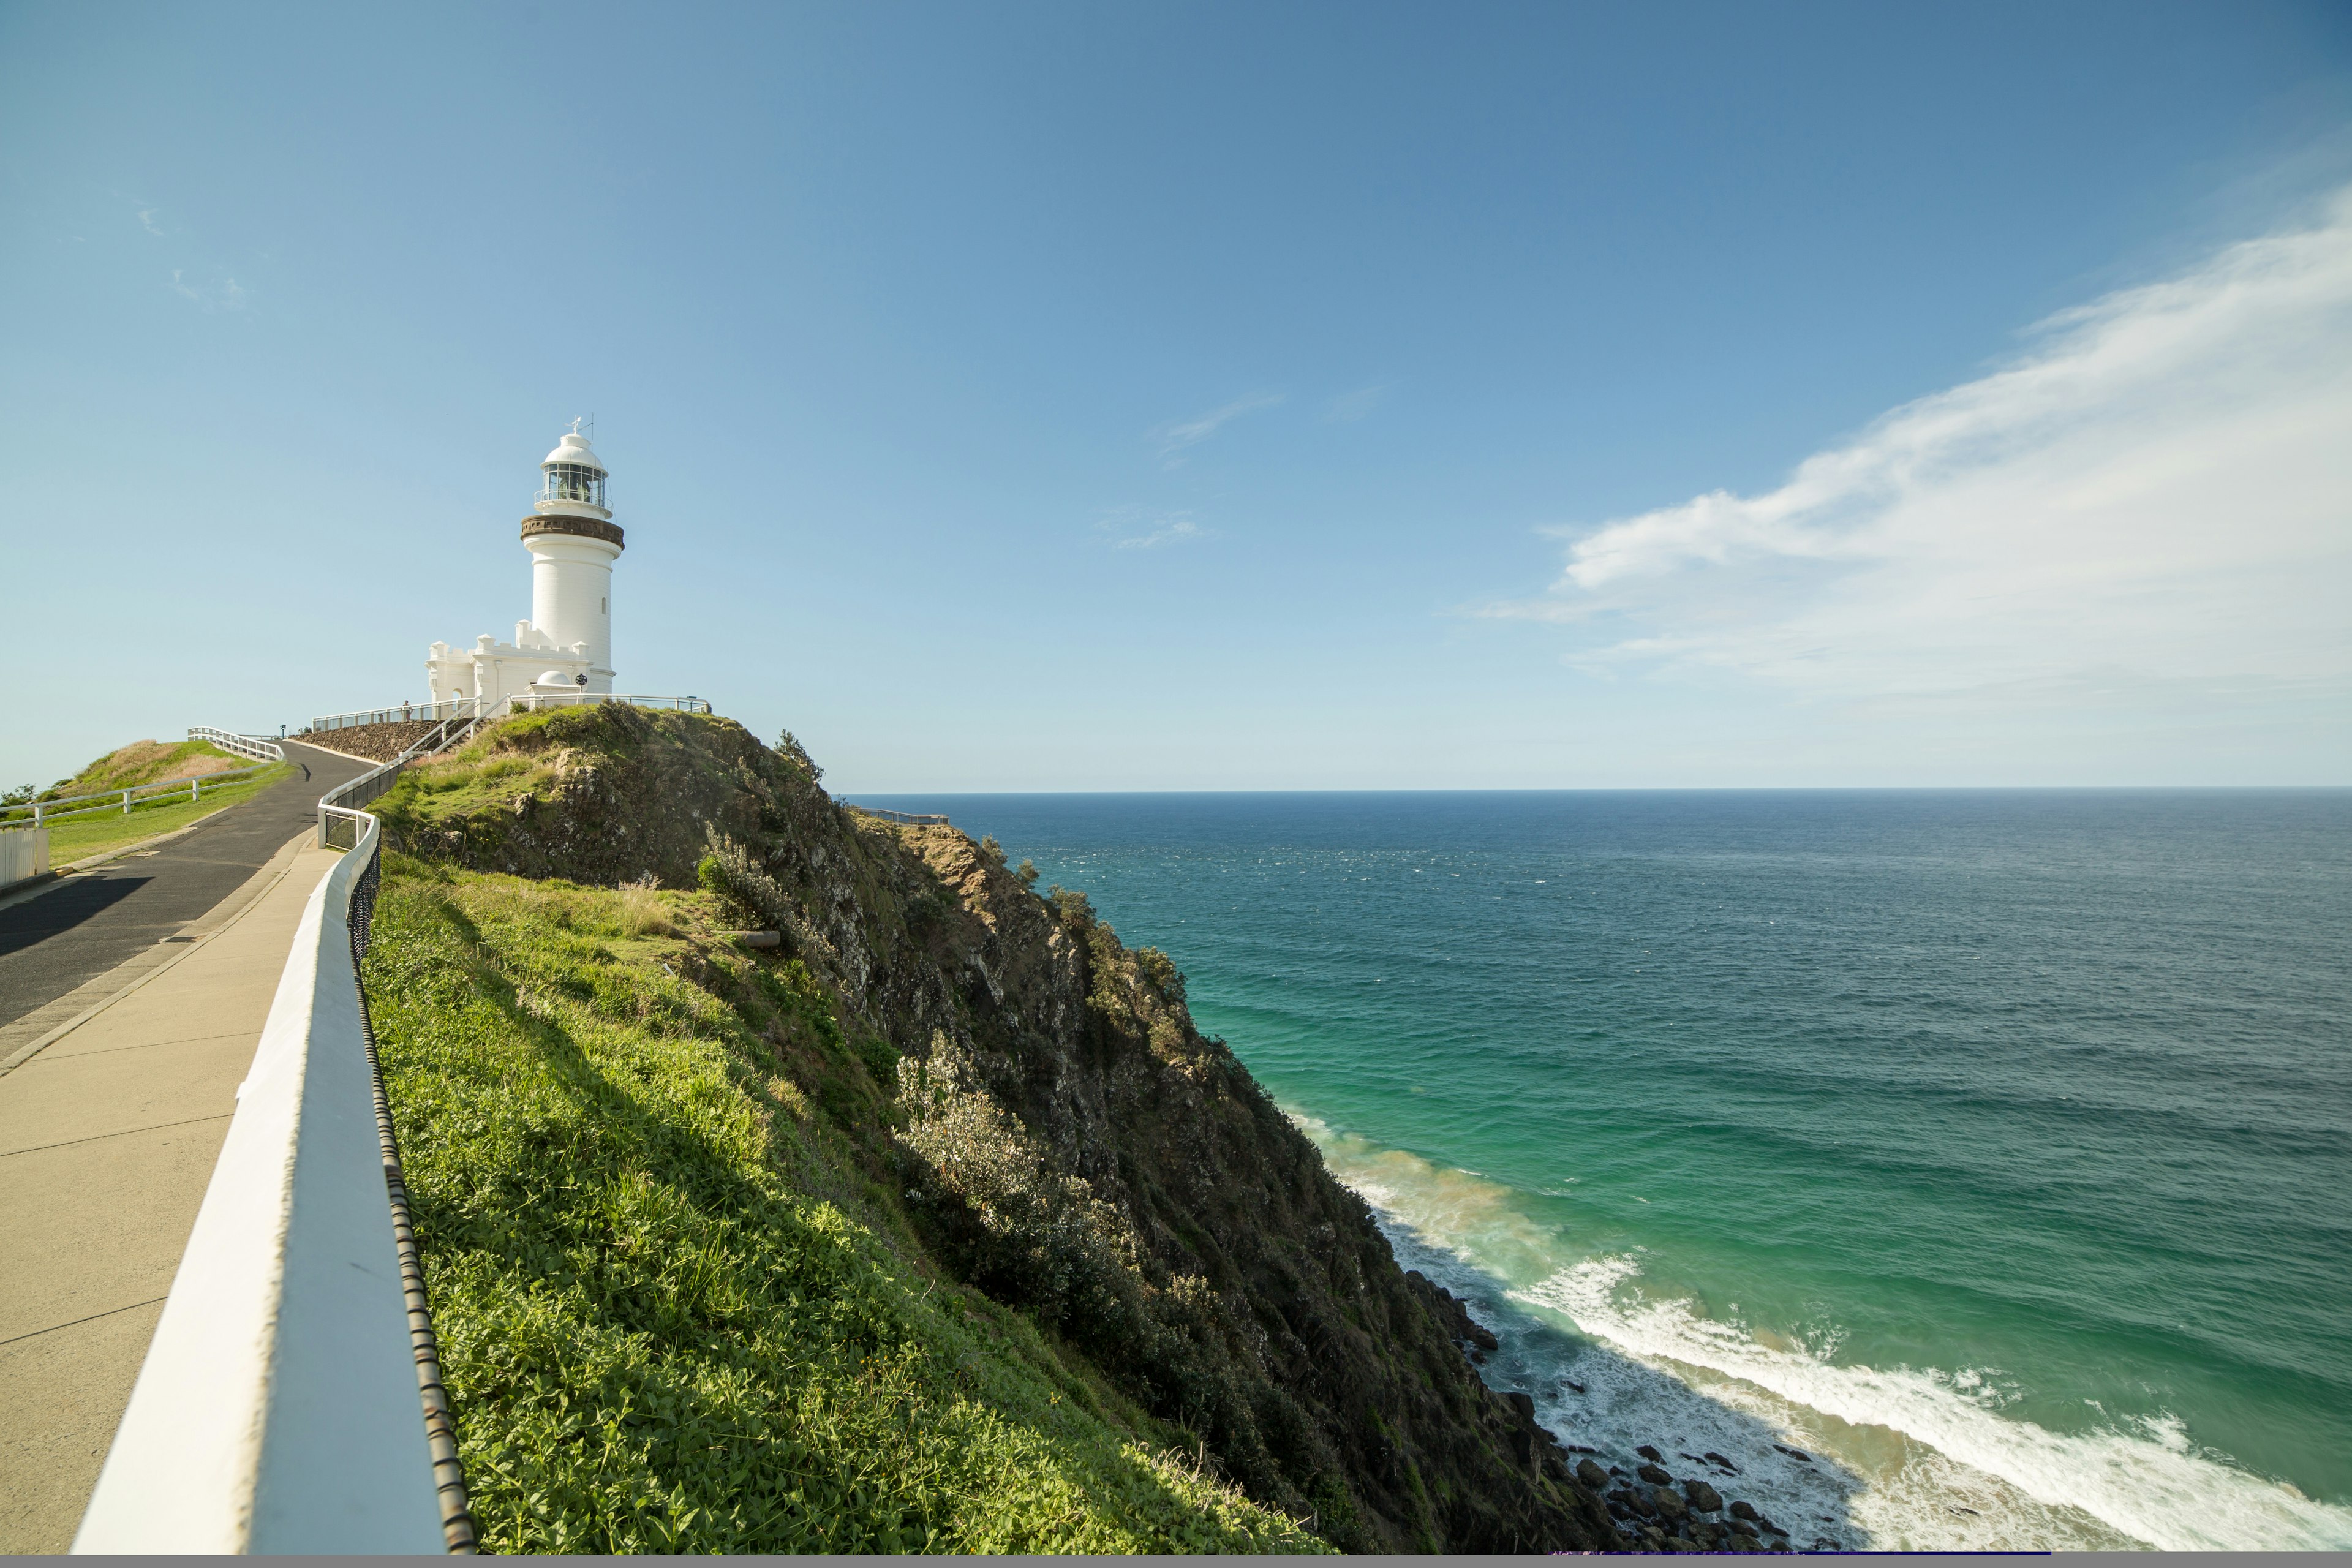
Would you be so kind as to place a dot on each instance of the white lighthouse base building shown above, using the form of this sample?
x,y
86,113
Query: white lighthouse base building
x,y
567,644
493,670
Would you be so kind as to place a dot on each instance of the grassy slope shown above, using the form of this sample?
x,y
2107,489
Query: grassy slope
x,y
141,762
78,837
677,1308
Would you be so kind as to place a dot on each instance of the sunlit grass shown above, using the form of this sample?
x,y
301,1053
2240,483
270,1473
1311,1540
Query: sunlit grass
x,y
678,1305
79,838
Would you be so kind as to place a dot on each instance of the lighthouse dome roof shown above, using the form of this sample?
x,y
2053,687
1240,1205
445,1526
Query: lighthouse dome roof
x,y
573,448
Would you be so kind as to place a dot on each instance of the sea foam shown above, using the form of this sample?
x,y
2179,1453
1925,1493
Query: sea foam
x,y
1906,1459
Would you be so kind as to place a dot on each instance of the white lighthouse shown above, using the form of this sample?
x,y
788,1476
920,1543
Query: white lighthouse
x,y
567,644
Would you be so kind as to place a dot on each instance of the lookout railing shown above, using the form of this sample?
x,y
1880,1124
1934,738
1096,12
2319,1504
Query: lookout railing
x,y
911,818
472,707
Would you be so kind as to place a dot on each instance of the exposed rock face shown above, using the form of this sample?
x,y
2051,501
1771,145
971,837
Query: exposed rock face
x,y
381,743
1067,1138
1459,1326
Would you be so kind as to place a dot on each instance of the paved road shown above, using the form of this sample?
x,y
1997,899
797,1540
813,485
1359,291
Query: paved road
x,y
96,919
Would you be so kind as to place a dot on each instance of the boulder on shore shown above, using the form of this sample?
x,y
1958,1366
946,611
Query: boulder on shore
x,y
1703,1497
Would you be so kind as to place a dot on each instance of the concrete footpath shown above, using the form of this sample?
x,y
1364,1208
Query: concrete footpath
x,y
108,1137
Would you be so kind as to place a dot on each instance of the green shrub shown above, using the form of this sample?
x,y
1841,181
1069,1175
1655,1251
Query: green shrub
x,y
728,870
1160,970
792,752
1071,907
1039,1238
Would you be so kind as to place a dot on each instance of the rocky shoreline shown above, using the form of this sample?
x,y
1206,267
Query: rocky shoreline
x,y
1653,1509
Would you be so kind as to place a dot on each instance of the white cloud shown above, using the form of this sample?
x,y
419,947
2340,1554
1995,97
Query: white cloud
x,y
2155,500
1138,529
1174,438
147,219
1351,406
226,295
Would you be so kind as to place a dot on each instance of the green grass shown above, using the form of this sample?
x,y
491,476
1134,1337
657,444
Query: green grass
x,y
79,837
142,762
679,1308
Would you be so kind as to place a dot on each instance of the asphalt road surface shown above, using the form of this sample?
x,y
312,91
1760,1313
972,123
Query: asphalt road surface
x,y
96,918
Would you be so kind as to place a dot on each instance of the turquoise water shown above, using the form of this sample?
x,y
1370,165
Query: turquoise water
x,y
1992,1148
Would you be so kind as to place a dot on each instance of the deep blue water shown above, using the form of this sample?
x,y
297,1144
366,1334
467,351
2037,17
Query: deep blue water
x,y
1993,1147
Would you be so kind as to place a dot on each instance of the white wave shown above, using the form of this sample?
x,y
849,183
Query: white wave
x,y
2150,1483
1912,1459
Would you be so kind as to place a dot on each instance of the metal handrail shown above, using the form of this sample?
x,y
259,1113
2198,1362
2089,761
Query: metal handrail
x,y
558,491
533,702
519,702
338,808
40,812
405,713
912,819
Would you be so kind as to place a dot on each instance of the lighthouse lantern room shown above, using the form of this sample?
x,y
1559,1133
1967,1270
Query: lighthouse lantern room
x,y
567,644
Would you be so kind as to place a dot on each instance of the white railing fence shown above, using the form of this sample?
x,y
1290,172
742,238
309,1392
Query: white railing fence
x,y
535,701
473,707
37,813
339,818
339,811
259,747
403,714
291,1400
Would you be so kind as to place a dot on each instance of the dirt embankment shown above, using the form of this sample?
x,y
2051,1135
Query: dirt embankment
x,y
1066,1139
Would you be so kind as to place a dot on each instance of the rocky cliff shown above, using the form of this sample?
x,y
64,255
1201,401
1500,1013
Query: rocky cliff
x,y
1050,1124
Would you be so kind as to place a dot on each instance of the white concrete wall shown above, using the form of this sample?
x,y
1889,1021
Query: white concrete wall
x,y
278,1409
493,670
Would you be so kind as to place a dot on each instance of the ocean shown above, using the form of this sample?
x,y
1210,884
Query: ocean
x,y
1991,1150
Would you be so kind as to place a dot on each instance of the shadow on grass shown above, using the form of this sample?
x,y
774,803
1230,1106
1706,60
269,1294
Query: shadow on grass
x,y
634,1221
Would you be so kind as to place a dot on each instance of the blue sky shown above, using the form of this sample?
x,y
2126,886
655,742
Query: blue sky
x,y
1200,397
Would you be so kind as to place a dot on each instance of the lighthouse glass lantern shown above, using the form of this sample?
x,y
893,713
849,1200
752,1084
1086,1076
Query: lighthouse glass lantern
x,y
574,482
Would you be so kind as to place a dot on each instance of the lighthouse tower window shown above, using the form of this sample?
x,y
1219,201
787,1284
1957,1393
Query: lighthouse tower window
x,y
573,482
